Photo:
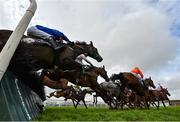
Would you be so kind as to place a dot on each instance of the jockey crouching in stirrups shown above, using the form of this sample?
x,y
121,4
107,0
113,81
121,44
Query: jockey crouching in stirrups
x,y
53,36
79,59
138,73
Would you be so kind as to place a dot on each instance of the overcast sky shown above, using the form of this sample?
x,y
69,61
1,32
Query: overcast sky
x,y
127,33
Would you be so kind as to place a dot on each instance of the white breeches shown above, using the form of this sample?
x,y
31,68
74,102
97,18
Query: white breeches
x,y
33,31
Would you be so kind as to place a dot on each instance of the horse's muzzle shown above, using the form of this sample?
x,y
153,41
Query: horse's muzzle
x,y
99,59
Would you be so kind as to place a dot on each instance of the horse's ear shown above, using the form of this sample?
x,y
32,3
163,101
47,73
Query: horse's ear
x,y
91,43
150,77
103,67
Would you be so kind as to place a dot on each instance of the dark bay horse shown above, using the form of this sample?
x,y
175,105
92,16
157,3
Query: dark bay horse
x,y
133,100
87,79
74,95
45,55
31,57
160,95
132,82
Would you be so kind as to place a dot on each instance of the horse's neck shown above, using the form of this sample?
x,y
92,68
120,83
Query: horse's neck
x,y
146,84
84,92
69,51
78,49
163,91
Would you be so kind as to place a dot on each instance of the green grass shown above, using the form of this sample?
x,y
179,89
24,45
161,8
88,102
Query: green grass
x,y
105,114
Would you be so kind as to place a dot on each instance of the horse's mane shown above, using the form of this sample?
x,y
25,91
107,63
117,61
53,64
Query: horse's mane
x,y
90,68
81,43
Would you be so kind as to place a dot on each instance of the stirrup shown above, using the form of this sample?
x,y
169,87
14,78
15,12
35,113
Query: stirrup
x,y
57,48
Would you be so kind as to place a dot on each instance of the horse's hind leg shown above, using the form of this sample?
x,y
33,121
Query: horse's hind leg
x,y
154,104
77,103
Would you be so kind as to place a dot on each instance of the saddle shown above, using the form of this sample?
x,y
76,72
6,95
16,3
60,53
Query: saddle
x,y
36,41
87,68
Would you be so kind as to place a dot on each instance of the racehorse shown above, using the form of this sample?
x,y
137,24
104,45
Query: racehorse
x,y
87,79
30,57
133,100
114,90
74,95
160,95
132,82
45,55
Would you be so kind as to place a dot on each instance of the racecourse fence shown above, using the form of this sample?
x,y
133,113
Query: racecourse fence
x,y
18,102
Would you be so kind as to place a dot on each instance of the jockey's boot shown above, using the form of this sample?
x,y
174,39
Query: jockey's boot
x,y
39,74
57,49
54,44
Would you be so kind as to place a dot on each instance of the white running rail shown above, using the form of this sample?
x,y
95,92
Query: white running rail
x,y
11,45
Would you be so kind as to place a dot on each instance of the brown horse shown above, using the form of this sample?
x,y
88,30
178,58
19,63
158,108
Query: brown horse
x,y
132,82
74,95
133,100
44,54
30,57
160,95
87,79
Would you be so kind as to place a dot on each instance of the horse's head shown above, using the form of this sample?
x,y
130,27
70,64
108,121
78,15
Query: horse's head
x,y
91,50
103,73
166,91
149,82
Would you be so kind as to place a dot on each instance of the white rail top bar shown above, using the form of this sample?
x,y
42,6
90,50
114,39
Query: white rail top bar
x,y
13,41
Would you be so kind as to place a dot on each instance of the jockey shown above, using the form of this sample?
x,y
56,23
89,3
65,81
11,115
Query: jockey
x,y
79,59
53,36
138,73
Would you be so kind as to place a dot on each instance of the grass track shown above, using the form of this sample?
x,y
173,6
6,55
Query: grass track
x,y
104,114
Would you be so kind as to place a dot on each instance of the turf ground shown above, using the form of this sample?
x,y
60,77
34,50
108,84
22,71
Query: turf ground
x,y
105,114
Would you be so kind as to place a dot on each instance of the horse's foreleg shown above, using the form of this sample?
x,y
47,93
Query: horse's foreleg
x,y
163,103
146,103
74,104
169,102
51,94
155,104
84,103
93,99
158,103
96,100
